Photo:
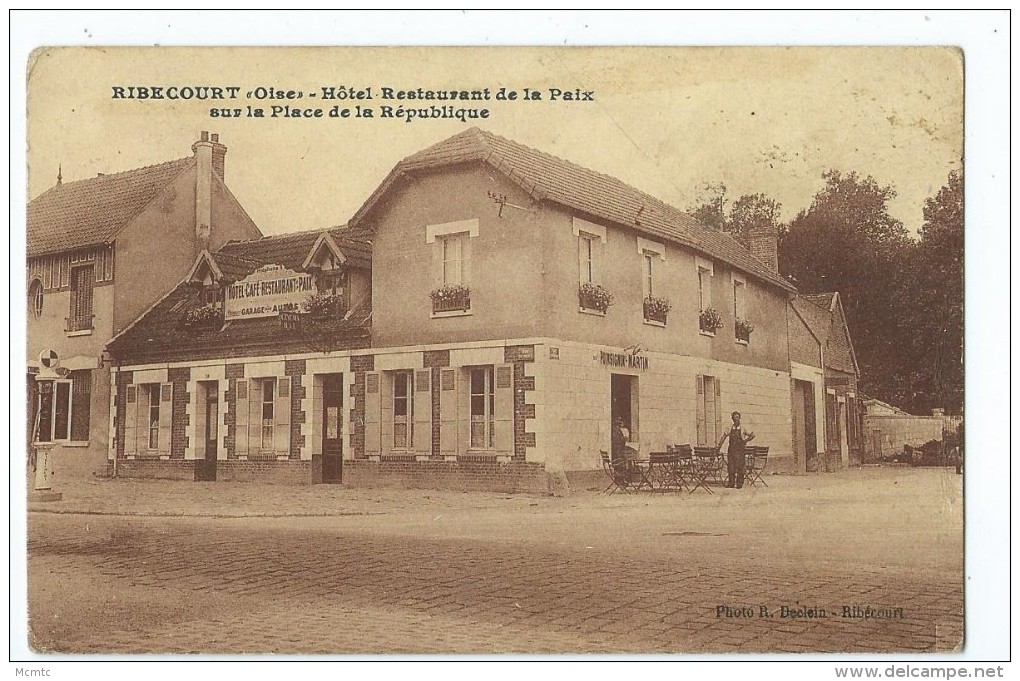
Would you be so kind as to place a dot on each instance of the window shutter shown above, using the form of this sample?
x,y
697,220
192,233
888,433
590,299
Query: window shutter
x,y
130,419
386,410
254,415
718,409
165,413
422,412
463,382
504,406
281,415
448,411
373,444
241,417
699,391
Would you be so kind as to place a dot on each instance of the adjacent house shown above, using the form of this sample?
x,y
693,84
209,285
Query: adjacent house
x,y
100,252
479,323
825,401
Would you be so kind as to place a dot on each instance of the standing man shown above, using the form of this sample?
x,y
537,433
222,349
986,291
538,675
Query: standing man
x,y
735,458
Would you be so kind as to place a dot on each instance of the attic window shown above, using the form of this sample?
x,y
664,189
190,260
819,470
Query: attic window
x,y
211,294
331,281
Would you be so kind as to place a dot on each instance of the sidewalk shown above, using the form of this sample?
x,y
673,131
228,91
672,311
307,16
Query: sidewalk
x,y
137,497
873,487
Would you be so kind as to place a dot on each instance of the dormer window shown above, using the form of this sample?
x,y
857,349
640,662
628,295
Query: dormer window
x,y
212,296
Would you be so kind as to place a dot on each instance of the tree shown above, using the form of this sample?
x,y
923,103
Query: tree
x,y
846,241
935,292
749,212
752,212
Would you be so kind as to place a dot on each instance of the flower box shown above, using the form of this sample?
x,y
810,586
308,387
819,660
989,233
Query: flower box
x,y
451,298
202,317
656,309
742,329
324,306
594,297
709,320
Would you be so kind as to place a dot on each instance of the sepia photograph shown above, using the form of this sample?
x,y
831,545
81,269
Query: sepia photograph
x,y
486,351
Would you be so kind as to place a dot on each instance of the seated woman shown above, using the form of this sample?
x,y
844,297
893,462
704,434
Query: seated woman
x,y
624,455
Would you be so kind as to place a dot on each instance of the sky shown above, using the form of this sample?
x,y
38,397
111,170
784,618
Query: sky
x,y
665,120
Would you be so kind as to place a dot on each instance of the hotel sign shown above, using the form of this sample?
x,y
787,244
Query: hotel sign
x,y
266,292
619,359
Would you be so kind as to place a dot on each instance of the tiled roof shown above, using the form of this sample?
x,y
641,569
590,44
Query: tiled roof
x,y
91,212
819,320
290,250
161,335
821,299
547,177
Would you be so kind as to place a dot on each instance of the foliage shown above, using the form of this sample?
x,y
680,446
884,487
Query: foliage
x,y
324,304
451,297
198,316
846,241
742,329
709,320
657,308
595,297
750,212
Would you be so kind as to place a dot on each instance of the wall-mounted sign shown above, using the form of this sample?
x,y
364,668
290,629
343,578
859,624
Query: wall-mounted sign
x,y
268,291
554,353
625,360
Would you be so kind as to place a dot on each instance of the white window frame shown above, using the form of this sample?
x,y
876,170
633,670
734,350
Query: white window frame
x,y
704,285
407,423
594,235
586,258
53,411
487,420
267,429
447,242
153,393
35,299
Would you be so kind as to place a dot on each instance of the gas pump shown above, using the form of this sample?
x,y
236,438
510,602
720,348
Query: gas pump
x,y
42,435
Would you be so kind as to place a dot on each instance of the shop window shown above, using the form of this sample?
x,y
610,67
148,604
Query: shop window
x,y
53,417
403,410
82,284
482,408
81,401
266,406
831,422
152,396
35,299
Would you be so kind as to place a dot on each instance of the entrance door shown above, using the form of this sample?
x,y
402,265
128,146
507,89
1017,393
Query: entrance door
x,y
799,430
622,403
332,431
206,469
844,445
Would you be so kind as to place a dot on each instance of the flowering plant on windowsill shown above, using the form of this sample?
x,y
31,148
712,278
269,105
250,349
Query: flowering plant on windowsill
x,y
709,320
594,297
323,305
743,329
450,297
656,309
206,315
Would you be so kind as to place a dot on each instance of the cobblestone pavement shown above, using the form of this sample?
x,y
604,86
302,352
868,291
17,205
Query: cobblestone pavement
x,y
102,584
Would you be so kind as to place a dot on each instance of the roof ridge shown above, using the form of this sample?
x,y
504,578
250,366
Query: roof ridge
x,y
105,176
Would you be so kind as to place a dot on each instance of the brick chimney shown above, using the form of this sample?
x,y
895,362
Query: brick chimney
x,y
219,156
763,242
203,149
